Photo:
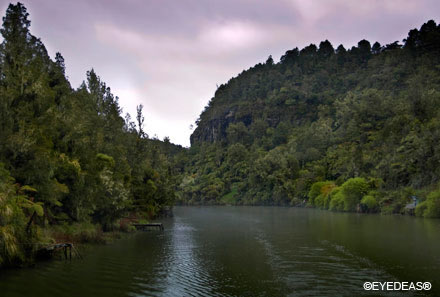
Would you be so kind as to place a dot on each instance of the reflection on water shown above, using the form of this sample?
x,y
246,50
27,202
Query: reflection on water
x,y
246,251
186,274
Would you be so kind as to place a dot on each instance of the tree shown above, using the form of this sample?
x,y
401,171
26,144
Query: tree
x,y
237,133
376,49
269,61
59,61
325,49
290,56
140,121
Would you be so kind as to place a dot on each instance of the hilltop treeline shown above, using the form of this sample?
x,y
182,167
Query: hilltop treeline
x,y
67,155
348,129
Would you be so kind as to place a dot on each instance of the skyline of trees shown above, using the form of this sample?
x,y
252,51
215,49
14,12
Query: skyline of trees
x,y
322,115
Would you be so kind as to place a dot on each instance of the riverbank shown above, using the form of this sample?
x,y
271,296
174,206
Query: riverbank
x,y
21,246
27,251
355,195
87,233
388,211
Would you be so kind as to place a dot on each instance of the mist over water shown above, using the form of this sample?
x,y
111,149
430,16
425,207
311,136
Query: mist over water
x,y
246,251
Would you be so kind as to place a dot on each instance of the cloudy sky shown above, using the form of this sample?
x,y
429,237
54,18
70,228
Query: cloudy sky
x,y
170,55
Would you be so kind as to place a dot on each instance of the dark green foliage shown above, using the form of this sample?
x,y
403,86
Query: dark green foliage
x,y
366,118
369,202
431,207
319,194
353,190
336,200
16,207
421,208
69,157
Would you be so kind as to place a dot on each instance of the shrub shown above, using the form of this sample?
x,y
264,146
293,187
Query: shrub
x,y
420,209
296,202
336,200
319,194
105,160
319,201
433,205
84,232
17,239
326,191
353,190
369,202
230,198
315,191
125,225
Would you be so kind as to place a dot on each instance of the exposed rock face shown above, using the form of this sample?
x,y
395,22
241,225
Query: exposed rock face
x,y
214,129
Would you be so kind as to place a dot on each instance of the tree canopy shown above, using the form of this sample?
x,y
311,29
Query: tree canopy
x,y
322,119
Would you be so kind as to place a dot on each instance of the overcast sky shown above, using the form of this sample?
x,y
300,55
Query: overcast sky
x,y
169,55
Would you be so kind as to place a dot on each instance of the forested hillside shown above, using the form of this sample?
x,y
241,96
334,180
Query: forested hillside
x,y
67,156
342,129
347,129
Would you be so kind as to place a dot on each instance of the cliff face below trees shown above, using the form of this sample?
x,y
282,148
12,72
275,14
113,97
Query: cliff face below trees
x,y
215,130
368,116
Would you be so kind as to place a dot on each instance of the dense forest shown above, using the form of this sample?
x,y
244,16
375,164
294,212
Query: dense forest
x,y
68,157
342,129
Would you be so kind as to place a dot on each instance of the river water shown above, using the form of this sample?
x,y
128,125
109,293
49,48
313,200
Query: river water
x,y
247,251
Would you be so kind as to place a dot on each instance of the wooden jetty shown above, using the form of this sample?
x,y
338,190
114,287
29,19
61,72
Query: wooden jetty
x,y
145,227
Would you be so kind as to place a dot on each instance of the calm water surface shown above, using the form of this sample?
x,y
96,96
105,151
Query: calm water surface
x,y
246,251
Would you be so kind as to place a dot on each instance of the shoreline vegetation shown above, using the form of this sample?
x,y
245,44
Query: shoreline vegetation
x,y
357,195
354,130
72,167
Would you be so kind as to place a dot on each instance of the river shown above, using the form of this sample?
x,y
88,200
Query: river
x,y
247,251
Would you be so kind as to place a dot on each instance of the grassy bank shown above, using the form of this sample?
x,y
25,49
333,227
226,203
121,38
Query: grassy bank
x,y
86,233
25,252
